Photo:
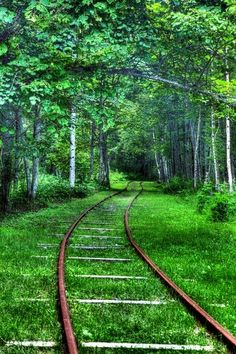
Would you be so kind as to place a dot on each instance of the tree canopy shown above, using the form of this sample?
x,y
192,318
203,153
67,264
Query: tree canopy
x,y
151,84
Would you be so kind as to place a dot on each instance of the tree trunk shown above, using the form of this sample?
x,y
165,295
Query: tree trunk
x,y
214,151
155,155
92,138
196,148
6,169
73,119
228,154
18,133
36,159
5,180
228,138
104,178
27,176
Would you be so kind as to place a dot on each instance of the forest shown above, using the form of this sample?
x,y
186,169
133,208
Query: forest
x,y
117,176
146,88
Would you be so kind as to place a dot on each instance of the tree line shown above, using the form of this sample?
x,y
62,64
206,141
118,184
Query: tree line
x,y
146,87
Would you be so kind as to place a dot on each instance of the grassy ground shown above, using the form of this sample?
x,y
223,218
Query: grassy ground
x,y
165,323
197,254
28,283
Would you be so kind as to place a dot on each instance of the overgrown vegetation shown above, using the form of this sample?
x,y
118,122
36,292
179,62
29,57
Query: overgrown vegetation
x,y
164,323
177,185
51,189
141,86
28,284
219,206
193,250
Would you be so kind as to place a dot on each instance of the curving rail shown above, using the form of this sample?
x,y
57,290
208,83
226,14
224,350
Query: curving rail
x,y
208,321
65,318
192,306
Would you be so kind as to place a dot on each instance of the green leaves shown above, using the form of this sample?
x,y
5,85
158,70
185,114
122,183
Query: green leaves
x,y
231,7
33,100
8,130
3,49
6,16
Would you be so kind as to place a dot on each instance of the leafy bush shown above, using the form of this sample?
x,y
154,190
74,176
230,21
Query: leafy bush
x,y
220,209
118,179
51,189
219,206
204,196
177,185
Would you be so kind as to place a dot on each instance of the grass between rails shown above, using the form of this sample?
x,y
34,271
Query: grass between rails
x,y
197,254
164,323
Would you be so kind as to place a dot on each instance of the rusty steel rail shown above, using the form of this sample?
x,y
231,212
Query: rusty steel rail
x,y
208,321
70,340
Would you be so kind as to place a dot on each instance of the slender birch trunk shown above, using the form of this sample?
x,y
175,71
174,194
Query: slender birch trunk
x,y
155,155
214,151
228,138
27,176
104,171
73,118
196,148
18,130
92,141
228,153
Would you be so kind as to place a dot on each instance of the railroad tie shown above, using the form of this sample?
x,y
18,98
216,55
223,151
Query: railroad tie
x,y
113,277
119,301
203,348
100,237
101,229
26,343
46,257
96,259
29,299
47,245
90,248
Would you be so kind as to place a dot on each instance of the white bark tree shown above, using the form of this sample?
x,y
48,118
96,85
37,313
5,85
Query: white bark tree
x,y
228,138
155,155
73,119
196,148
214,150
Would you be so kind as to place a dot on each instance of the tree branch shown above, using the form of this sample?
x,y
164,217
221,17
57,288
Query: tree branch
x,y
230,100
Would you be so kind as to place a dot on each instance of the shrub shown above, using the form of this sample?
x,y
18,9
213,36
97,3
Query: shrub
x,y
220,209
204,196
219,206
177,185
118,179
51,189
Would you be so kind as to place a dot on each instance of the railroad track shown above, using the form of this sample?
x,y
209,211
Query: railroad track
x,y
110,300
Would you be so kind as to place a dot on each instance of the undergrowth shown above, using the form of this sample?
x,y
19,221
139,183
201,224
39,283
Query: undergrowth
x,y
51,189
177,185
193,250
217,205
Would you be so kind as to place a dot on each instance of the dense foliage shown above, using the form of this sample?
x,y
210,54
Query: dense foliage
x,y
146,87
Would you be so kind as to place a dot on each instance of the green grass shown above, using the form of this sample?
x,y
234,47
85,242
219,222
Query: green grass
x,y
22,276
196,253
168,227
166,323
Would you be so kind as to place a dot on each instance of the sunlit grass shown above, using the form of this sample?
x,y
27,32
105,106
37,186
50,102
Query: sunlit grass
x,y
168,322
195,252
24,277
28,285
